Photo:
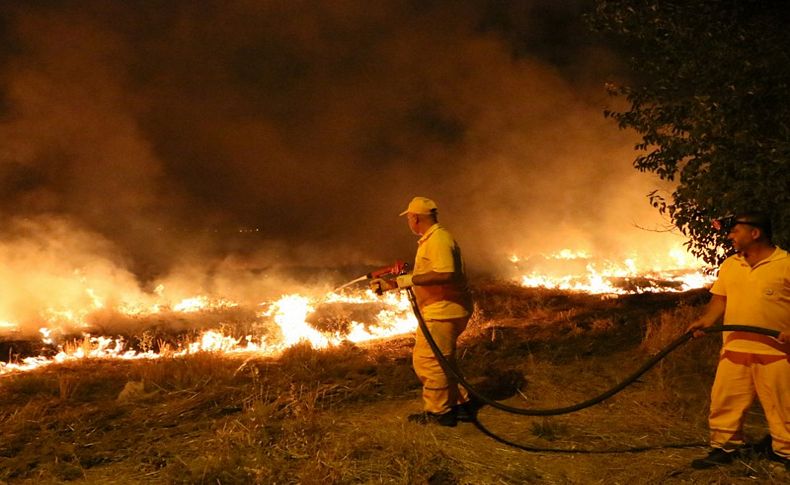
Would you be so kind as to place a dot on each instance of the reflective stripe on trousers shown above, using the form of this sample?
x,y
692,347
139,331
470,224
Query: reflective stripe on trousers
x,y
438,393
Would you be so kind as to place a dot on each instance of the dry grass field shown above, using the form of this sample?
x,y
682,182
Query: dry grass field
x,y
338,415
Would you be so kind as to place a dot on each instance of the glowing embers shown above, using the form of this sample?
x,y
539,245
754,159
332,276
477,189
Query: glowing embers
x,y
578,271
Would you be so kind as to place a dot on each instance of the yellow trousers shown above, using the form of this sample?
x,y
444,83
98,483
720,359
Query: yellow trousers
x,y
439,392
739,378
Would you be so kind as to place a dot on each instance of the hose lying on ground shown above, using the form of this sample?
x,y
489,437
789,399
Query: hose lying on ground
x,y
450,369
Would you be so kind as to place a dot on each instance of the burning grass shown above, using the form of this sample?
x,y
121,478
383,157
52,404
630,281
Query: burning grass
x,y
336,415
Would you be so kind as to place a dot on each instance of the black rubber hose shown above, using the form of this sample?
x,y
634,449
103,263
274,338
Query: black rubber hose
x,y
451,370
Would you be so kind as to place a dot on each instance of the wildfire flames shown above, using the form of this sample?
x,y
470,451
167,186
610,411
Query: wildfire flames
x,y
290,319
290,313
577,270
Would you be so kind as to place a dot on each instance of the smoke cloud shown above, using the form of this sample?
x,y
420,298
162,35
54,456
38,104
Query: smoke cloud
x,y
178,139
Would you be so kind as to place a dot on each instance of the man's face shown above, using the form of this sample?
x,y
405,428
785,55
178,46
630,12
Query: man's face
x,y
742,236
412,220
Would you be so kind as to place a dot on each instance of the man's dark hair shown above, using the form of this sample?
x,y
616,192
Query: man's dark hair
x,y
760,220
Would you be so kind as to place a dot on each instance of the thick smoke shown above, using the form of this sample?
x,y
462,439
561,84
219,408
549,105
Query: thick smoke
x,y
156,130
69,280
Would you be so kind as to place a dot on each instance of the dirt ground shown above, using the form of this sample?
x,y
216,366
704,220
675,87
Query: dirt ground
x,y
339,416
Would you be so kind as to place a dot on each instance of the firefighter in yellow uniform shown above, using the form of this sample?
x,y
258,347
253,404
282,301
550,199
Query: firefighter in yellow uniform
x,y
439,284
753,288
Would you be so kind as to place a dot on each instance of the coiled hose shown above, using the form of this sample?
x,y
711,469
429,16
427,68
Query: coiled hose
x,y
452,371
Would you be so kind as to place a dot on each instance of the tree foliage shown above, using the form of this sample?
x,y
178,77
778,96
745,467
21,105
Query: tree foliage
x,y
708,93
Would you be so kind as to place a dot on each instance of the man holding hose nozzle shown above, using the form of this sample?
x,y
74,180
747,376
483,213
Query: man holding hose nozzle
x,y
753,288
440,288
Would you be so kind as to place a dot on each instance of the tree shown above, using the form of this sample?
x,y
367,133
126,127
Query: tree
x,y
708,93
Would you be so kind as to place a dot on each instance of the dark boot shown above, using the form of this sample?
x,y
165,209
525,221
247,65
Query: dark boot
x,y
781,459
467,412
446,419
716,457
763,448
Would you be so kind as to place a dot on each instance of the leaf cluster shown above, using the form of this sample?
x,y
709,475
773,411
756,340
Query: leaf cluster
x,y
708,94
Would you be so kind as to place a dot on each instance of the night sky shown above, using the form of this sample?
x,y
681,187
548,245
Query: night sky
x,y
145,134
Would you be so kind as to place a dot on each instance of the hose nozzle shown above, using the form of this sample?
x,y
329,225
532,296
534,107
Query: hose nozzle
x,y
396,269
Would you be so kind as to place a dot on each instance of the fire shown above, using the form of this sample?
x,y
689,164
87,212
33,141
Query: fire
x,y
290,313
579,271
189,305
286,321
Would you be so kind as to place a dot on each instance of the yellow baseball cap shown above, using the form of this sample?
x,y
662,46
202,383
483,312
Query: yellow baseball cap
x,y
420,205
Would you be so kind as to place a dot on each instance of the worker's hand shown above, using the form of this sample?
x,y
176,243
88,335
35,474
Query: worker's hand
x,y
404,281
380,285
696,328
784,337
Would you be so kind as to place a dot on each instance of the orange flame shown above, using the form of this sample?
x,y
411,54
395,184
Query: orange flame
x,y
680,272
290,313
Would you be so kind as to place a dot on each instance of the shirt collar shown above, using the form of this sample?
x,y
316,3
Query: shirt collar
x,y
428,233
778,254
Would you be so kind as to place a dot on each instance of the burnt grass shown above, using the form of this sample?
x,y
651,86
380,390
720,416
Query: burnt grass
x,y
338,415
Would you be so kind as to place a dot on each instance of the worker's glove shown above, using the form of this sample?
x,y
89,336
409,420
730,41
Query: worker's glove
x,y
380,285
404,281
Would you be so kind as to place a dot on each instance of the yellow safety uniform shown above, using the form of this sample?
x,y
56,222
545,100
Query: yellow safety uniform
x,y
446,310
751,364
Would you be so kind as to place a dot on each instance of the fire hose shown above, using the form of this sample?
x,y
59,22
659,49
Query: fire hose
x,y
451,370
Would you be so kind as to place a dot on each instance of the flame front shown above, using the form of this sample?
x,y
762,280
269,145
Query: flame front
x,y
677,271
290,313
287,318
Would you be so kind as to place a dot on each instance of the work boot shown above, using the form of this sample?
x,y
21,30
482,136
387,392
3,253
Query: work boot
x,y
716,457
446,419
467,412
780,459
764,447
